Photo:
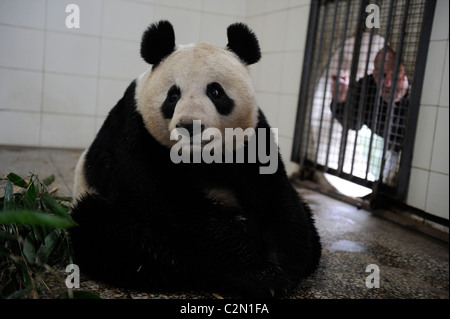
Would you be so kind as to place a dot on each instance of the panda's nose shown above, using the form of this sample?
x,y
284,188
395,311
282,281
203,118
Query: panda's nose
x,y
192,127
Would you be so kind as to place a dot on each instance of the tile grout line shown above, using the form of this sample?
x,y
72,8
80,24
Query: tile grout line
x,y
41,113
97,99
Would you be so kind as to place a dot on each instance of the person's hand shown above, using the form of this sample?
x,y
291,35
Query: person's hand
x,y
344,81
402,85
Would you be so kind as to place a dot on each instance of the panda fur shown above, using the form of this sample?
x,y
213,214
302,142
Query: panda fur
x,y
146,223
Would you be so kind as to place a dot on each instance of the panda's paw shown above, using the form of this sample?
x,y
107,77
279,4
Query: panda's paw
x,y
267,285
266,291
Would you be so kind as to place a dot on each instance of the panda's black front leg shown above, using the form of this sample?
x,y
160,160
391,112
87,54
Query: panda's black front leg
x,y
226,250
282,224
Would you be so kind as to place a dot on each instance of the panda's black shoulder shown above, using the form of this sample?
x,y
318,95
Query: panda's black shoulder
x,y
121,143
124,126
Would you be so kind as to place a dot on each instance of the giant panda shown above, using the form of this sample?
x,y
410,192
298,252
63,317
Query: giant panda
x,y
147,222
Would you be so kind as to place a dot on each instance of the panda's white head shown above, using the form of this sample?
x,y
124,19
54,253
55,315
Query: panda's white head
x,y
198,81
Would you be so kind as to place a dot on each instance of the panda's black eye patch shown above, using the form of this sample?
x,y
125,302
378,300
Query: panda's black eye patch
x,y
174,94
215,91
223,103
168,106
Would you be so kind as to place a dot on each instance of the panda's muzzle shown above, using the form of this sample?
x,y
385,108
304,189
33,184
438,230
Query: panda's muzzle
x,y
191,127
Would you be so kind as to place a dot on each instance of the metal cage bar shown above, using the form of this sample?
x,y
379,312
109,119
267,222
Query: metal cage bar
x,y
387,128
326,82
319,49
361,101
300,117
354,67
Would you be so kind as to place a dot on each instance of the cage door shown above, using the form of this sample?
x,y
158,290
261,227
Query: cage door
x,y
360,90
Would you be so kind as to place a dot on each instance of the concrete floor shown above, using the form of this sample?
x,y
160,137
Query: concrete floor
x,y
411,265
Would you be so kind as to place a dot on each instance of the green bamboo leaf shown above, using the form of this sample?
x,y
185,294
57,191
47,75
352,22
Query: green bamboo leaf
x,y
63,198
31,192
28,249
8,202
27,217
48,180
54,206
31,233
25,274
39,233
17,294
28,202
46,249
17,180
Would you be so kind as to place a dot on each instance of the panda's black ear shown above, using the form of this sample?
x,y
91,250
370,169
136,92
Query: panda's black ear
x,y
243,42
158,41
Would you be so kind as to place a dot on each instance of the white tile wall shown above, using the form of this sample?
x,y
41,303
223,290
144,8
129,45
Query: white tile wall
x,y
69,131
21,48
274,31
418,187
25,13
269,73
271,6
286,115
443,99
215,28
439,159
184,4
440,24
120,59
433,73
20,90
297,28
69,94
428,186
19,128
424,137
185,22
292,69
437,197
255,7
125,20
236,8
72,54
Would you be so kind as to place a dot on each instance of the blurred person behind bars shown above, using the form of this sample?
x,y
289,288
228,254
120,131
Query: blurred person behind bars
x,y
363,113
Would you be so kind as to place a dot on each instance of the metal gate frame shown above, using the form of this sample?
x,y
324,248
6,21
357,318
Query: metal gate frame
x,y
381,191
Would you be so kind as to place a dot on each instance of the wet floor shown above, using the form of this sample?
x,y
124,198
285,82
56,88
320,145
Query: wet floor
x,y
409,264
364,256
